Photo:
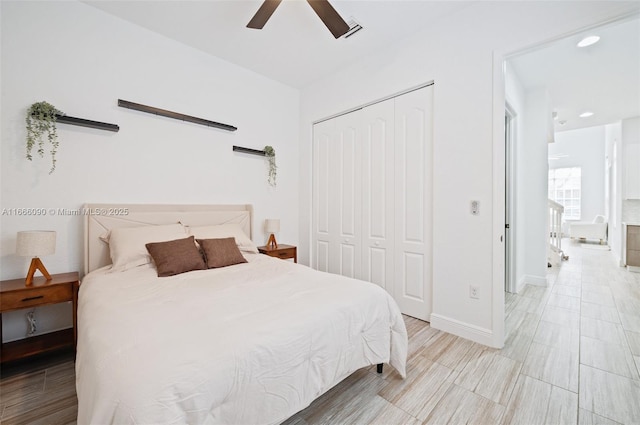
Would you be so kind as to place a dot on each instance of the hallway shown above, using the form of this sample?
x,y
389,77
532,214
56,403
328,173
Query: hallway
x,y
581,335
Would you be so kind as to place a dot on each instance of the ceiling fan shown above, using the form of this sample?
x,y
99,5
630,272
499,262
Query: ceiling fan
x,y
323,9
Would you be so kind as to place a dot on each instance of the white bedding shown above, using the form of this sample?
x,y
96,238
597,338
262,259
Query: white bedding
x,y
247,344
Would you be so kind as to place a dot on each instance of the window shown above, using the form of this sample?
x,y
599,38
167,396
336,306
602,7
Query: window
x,y
565,189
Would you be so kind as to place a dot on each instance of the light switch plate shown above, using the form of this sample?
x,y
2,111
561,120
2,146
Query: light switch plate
x,y
475,207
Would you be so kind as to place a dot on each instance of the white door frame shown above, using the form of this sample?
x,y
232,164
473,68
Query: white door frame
x,y
498,192
510,194
498,254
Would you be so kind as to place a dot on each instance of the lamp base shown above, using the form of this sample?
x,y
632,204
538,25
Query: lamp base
x,y
272,242
36,264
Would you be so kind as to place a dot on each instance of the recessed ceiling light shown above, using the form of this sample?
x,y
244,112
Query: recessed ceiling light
x,y
586,114
588,41
562,122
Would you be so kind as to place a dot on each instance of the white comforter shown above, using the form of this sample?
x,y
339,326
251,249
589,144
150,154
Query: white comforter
x,y
247,344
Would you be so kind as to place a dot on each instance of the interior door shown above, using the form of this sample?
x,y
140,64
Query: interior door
x,y
377,194
337,196
323,183
413,205
347,195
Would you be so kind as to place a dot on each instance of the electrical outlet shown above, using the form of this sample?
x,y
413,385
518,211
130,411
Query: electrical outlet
x,y
474,292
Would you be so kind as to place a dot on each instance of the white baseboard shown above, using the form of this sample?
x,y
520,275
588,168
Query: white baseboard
x,y
465,330
535,280
520,285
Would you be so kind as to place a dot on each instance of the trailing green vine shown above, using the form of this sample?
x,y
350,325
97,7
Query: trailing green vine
x,y
41,119
271,156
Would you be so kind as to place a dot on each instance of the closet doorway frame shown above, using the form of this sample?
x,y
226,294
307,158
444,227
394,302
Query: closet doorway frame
x,y
313,247
373,102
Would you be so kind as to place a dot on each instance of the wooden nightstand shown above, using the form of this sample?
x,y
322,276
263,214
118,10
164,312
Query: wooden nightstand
x,y
14,295
282,251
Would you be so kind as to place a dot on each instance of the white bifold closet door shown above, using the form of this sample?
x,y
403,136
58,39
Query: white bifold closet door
x,y
372,198
377,153
336,197
413,202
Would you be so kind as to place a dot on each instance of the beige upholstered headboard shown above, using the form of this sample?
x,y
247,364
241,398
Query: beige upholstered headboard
x,y
100,218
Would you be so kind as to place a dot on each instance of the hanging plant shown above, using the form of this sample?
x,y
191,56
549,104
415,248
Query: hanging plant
x,y
41,120
271,156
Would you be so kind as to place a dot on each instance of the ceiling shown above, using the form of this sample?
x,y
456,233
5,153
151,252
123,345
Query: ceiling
x,y
294,47
603,78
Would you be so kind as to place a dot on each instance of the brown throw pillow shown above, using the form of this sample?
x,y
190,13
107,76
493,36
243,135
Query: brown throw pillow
x,y
175,257
221,252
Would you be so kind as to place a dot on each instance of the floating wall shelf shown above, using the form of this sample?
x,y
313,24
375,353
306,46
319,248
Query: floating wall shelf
x,y
174,115
86,123
249,151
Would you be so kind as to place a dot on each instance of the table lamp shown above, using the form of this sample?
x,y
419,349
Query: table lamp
x,y
36,243
272,225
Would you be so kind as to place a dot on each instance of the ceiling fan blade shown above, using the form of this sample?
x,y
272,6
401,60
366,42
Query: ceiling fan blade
x,y
263,14
330,17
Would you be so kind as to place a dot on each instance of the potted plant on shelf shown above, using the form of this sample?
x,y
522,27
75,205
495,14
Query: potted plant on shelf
x,y
271,156
41,120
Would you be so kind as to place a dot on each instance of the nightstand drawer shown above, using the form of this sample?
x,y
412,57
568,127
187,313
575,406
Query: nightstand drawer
x,y
30,297
282,251
285,253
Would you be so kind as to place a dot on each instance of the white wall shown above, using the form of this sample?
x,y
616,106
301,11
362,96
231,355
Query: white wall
x,y
529,179
82,60
622,210
584,148
457,53
631,131
533,173
631,211
631,151
630,134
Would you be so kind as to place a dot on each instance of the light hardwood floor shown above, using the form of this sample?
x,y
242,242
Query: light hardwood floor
x,y
572,356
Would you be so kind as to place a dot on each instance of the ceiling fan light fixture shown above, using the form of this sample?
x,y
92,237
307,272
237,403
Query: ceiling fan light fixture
x,y
588,41
263,14
327,14
329,17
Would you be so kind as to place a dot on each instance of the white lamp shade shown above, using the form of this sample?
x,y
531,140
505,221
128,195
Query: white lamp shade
x,y
36,243
272,225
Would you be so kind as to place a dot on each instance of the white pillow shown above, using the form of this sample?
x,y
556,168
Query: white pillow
x,y
127,244
225,231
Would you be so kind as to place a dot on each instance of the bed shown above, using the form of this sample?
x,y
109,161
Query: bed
x,y
251,343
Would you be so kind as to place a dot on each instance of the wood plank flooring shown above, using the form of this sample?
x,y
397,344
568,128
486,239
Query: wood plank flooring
x,y
571,356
